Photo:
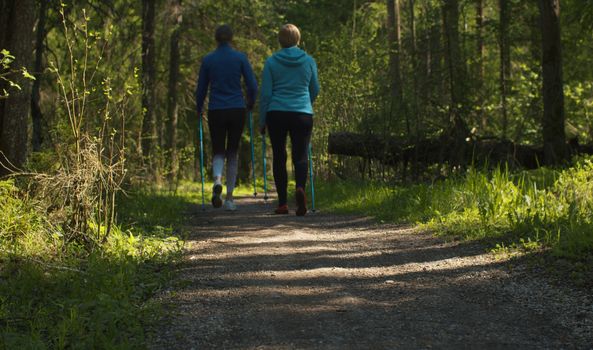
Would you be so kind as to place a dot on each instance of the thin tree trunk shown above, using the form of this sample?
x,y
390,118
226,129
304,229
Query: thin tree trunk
x,y
535,110
16,36
463,41
454,65
435,71
553,94
505,62
36,114
396,105
480,61
173,106
415,60
427,54
149,132
415,73
480,40
394,37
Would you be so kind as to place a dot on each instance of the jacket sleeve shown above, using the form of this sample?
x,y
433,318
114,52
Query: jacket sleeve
x,y
314,83
202,86
250,81
266,94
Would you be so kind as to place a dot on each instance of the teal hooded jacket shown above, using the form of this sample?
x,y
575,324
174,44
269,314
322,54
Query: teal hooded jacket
x,y
289,83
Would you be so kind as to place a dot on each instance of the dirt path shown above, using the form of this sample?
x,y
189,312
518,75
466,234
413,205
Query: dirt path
x,y
251,280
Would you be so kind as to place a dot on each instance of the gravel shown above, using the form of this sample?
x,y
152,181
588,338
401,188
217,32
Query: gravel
x,y
251,280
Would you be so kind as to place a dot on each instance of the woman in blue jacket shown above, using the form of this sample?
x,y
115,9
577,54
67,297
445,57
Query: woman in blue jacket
x,y
221,70
289,88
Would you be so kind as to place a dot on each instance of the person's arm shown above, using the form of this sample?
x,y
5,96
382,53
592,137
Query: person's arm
x,y
202,86
265,96
314,83
250,81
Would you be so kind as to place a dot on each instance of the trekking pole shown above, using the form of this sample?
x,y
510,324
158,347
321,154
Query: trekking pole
x,y
252,152
202,160
311,177
263,151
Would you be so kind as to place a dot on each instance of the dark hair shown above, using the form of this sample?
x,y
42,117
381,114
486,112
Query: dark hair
x,y
223,34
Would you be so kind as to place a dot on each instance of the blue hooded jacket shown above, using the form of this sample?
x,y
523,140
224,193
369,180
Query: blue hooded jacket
x,y
222,70
289,83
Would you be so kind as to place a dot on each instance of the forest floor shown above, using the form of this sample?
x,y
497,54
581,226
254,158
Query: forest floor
x,y
252,280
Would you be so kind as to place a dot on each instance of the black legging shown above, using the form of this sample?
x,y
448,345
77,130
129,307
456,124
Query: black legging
x,y
226,127
299,126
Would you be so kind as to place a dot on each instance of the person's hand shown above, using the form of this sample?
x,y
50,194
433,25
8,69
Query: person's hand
x,y
262,130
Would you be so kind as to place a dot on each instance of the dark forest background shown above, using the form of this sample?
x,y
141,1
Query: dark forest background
x,y
470,118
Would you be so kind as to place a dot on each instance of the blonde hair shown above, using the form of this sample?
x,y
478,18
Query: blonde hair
x,y
289,35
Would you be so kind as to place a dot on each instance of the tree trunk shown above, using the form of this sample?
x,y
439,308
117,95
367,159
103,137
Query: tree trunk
x,y
415,72
553,94
16,36
457,81
480,152
480,61
36,114
435,51
505,62
172,104
415,61
394,38
535,109
149,131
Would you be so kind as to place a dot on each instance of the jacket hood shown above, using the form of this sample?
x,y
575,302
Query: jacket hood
x,y
291,57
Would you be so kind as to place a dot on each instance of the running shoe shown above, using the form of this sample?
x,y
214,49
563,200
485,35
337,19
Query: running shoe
x,y
301,200
229,205
216,196
281,210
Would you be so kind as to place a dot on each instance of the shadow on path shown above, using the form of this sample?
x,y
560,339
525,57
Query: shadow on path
x,y
251,280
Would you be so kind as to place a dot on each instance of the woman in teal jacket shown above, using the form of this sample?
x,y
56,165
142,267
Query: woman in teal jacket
x,y
289,88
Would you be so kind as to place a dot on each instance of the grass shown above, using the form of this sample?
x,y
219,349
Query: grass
x,y
545,208
56,295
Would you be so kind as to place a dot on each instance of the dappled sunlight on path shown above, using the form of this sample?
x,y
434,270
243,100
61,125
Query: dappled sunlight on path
x,y
255,280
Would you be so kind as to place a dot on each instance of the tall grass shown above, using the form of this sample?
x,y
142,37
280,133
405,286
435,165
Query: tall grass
x,y
551,208
55,294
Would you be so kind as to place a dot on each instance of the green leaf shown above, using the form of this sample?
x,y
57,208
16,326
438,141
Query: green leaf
x,y
14,85
6,54
26,74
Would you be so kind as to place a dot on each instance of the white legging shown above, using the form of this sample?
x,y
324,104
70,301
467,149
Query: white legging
x,y
232,163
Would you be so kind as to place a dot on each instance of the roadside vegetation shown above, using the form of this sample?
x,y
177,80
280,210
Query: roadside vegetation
x,y
544,209
99,139
57,294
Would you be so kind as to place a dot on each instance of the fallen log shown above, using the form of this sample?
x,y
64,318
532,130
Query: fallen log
x,y
443,149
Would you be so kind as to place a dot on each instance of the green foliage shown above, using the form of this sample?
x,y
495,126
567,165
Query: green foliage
x,y
548,208
162,210
6,59
22,228
55,295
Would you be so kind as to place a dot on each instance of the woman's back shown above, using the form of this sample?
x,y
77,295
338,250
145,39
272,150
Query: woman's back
x,y
289,82
222,70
